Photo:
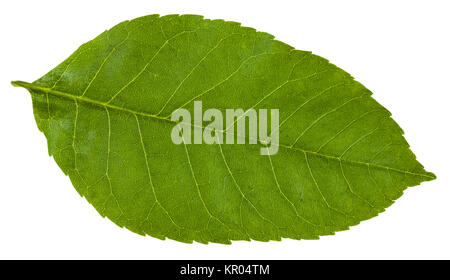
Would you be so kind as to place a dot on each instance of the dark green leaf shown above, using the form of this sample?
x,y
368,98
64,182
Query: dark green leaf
x,y
106,114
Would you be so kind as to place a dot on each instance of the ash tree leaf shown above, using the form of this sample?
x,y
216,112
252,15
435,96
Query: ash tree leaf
x,y
105,112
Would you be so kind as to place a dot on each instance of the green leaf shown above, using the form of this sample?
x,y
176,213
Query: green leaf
x,y
105,112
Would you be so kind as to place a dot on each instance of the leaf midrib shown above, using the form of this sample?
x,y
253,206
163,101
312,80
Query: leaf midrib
x,y
54,92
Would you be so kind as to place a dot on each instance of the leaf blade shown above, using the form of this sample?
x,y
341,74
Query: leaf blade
x,y
92,113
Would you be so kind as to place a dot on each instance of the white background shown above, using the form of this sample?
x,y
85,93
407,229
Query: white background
x,y
398,49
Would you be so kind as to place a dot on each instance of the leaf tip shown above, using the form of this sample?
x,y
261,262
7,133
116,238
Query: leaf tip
x,y
428,176
432,176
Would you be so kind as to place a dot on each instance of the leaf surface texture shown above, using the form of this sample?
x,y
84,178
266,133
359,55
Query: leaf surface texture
x,y
105,112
